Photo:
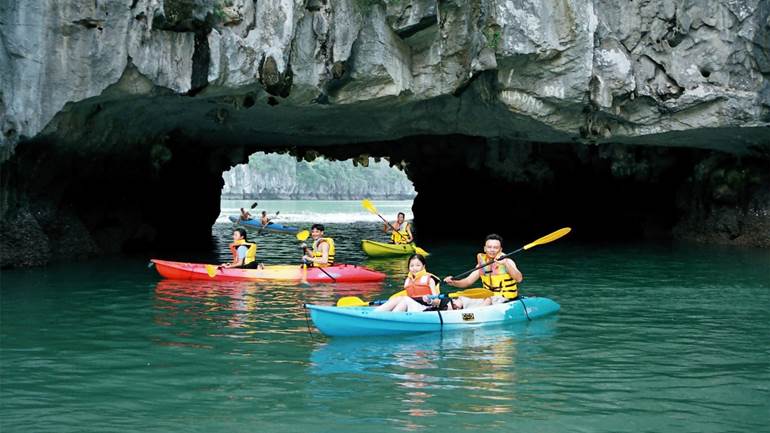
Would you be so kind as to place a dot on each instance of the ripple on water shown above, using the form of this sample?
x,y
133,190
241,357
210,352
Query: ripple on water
x,y
648,339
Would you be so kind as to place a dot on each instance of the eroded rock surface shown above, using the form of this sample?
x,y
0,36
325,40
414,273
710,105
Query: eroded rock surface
x,y
148,87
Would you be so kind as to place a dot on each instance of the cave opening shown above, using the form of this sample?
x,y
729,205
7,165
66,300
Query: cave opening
x,y
313,189
165,193
468,186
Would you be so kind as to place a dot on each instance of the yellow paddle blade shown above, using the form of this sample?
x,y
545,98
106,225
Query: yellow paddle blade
x,y
397,294
548,238
303,235
351,301
420,251
477,293
368,206
211,270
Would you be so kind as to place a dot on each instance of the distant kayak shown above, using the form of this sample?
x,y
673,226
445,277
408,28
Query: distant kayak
x,y
364,321
273,227
383,249
293,273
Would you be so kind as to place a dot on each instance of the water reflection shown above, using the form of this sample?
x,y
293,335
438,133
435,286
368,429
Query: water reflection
x,y
396,267
421,372
249,308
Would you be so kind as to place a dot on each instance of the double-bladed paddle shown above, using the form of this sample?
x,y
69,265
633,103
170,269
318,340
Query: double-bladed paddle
x,y
478,293
370,207
355,301
544,240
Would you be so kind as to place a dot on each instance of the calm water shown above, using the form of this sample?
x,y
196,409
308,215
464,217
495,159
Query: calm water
x,y
649,339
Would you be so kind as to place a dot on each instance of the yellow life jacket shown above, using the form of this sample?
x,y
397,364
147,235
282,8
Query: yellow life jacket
x,y
400,236
318,253
495,277
419,284
251,253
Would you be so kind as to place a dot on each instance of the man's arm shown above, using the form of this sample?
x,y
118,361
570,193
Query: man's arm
x,y
241,253
513,271
324,259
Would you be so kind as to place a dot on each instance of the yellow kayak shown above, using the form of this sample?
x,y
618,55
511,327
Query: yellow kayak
x,y
382,249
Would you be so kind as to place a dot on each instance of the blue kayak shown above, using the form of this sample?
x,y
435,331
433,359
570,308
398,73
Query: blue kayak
x,y
364,321
273,227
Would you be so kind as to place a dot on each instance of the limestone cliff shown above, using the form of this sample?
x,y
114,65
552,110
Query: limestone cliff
x,y
272,176
589,70
153,99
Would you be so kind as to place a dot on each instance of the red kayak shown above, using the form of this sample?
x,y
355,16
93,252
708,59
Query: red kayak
x,y
295,273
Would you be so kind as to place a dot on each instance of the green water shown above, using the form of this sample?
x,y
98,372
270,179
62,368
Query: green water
x,y
650,338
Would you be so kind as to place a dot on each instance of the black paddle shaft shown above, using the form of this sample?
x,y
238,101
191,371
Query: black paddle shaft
x,y
504,256
390,225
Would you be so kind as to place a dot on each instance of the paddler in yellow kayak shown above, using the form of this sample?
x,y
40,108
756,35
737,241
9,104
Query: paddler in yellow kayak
x,y
501,277
322,250
403,232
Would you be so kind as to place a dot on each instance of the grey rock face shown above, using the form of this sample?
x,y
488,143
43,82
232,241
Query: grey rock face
x,y
57,52
113,91
590,70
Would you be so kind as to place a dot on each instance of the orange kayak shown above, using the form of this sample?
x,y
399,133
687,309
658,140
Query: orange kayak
x,y
200,271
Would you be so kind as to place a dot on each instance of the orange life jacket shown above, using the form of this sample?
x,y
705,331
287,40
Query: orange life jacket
x,y
419,284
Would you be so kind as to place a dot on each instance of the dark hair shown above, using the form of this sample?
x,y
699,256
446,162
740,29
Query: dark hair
x,y
401,213
242,232
494,237
264,212
320,227
419,257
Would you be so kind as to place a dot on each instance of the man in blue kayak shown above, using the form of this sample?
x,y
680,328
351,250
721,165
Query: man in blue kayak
x,y
265,220
245,215
499,276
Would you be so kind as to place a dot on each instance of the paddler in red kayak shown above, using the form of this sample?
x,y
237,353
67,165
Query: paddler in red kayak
x,y
244,252
501,277
403,232
322,252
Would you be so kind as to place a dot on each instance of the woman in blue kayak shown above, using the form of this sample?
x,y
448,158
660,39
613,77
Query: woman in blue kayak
x,y
420,287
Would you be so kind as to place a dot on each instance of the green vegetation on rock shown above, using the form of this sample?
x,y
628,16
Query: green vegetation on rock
x,y
274,176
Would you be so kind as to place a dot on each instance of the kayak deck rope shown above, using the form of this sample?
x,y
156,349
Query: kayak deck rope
x,y
307,320
525,309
